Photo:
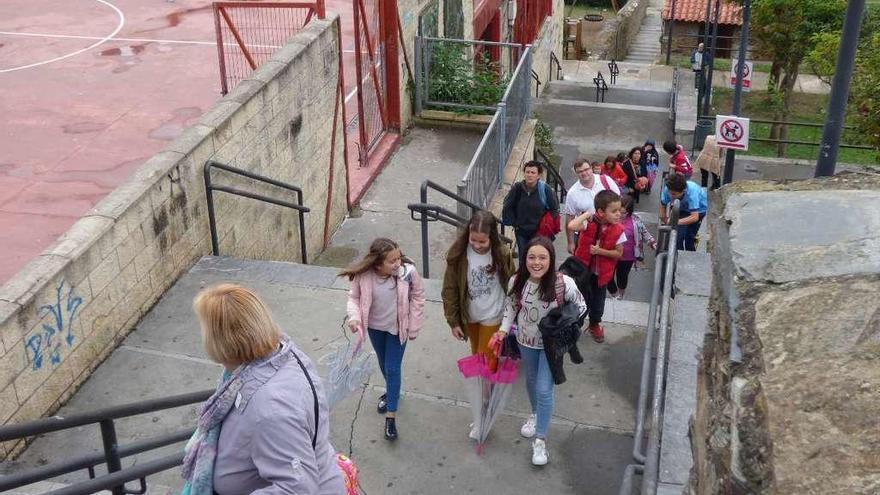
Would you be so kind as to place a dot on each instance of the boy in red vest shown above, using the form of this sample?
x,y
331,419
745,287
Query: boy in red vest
x,y
599,247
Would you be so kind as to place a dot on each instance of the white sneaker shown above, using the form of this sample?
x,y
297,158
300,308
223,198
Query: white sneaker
x,y
528,428
539,452
475,433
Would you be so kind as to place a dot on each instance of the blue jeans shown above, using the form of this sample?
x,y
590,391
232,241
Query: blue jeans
x,y
687,235
389,350
522,240
539,384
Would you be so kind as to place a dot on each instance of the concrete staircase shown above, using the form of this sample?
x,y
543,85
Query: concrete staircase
x,y
646,48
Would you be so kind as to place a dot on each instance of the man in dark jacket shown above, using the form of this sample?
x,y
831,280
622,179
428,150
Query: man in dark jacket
x,y
526,203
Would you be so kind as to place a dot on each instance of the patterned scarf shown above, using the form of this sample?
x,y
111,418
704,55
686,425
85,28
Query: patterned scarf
x,y
201,450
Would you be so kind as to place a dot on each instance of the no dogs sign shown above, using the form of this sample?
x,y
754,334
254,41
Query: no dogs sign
x,y
732,132
747,76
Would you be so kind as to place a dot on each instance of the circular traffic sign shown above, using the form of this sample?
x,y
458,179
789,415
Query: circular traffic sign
x,y
732,131
746,70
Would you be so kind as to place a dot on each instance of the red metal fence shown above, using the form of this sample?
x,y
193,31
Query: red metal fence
x,y
372,121
530,15
248,33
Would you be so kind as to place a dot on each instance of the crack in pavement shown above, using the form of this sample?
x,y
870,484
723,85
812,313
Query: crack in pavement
x,y
354,420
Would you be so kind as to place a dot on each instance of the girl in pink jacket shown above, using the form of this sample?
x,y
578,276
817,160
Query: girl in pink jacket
x,y
386,298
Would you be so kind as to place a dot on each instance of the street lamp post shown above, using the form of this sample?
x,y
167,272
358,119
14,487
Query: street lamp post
x,y
669,32
846,56
737,95
708,91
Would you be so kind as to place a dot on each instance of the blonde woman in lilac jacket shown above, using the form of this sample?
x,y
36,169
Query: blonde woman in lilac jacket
x,y
386,298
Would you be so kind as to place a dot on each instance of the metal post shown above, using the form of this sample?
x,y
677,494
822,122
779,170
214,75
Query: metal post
x,y
302,230
424,198
737,95
669,32
212,220
111,452
502,137
708,82
846,55
419,75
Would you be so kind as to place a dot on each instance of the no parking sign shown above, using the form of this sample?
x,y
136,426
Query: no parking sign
x,y
747,76
732,132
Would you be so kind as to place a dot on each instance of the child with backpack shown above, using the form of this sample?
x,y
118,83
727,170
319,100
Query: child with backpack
x,y
637,236
600,245
537,288
528,205
678,159
386,297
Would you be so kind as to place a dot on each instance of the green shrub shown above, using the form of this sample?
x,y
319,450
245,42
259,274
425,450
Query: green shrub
x,y
455,78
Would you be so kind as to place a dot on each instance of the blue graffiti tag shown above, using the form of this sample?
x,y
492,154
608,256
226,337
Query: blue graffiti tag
x,y
56,332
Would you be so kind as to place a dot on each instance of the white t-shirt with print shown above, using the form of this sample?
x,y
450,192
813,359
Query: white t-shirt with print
x,y
485,294
534,309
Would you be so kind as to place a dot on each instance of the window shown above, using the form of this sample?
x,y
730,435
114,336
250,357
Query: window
x,y
453,19
429,20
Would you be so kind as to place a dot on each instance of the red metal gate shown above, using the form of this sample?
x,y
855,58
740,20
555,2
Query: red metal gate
x,y
370,73
248,33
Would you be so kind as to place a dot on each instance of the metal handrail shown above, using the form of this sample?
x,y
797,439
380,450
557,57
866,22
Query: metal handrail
x,y
113,453
652,455
119,478
555,59
430,212
538,83
599,81
558,181
614,70
209,195
19,479
663,274
673,98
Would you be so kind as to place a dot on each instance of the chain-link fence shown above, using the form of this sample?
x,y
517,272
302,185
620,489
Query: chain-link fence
x,y
478,77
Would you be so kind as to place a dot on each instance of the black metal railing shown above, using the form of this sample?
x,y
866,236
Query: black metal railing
x,y
654,363
554,60
766,125
431,212
554,179
601,86
614,70
209,193
116,476
537,83
673,98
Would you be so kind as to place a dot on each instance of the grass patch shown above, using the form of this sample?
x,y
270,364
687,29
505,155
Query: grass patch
x,y
805,108
722,65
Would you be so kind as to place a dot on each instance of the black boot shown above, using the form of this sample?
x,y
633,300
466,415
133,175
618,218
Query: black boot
x,y
382,406
390,429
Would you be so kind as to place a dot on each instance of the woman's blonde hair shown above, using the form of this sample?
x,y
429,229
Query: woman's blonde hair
x,y
236,325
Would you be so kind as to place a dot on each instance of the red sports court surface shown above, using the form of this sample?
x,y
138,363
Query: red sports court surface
x,y
90,89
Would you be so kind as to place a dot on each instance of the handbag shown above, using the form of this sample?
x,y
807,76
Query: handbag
x,y
579,272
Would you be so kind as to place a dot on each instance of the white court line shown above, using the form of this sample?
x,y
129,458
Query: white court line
x,y
354,91
72,54
137,40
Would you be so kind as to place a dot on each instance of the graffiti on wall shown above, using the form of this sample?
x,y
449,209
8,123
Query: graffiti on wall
x,y
56,331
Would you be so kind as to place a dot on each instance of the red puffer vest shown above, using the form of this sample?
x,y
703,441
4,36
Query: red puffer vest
x,y
608,234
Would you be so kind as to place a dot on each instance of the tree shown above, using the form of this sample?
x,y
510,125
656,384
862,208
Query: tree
x,y
864,94
784,30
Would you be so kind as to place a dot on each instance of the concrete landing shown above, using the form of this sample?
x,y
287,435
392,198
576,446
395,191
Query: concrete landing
x,y
590,438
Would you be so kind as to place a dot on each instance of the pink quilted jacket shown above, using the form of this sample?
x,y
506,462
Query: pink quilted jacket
x,y
410,301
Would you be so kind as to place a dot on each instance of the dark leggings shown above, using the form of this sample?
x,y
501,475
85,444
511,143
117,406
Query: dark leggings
x,y
704,179
621,276
596,304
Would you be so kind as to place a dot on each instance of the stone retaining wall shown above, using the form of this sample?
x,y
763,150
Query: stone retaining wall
x,y
618,33
67,309
796,273
549,40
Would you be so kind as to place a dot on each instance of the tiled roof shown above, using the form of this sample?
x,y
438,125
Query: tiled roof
x,y
695,11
